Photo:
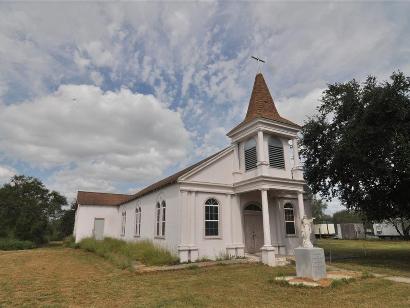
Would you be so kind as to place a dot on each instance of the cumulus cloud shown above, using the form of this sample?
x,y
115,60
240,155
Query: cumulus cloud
x,y
105,137
193,57
6,173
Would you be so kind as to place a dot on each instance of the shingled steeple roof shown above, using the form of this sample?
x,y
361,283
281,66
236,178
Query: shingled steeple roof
x,y
261,105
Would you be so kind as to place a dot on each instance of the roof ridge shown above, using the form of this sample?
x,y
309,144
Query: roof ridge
x,y
107,193
171,179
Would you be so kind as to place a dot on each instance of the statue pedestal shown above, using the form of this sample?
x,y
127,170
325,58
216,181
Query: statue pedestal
x,y
310,262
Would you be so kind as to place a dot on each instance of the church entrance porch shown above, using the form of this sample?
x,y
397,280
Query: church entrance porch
x,y
268,228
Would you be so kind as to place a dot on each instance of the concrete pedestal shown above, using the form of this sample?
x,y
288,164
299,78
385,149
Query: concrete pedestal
x,y
310,263
268,255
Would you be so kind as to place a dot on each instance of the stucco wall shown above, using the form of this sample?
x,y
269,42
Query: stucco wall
x,y
84,223
216,246
148,203
219,172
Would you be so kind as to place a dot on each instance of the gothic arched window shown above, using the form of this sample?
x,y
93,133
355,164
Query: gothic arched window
x,y
138,221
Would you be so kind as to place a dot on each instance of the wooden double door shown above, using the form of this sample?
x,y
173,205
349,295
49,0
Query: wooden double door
x,y
253,227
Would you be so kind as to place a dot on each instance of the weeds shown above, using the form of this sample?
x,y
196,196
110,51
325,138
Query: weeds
x,y
340,282
123,254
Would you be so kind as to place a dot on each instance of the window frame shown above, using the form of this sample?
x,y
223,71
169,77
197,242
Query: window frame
x,y
137,226
219,220
123,222
160,219
289,207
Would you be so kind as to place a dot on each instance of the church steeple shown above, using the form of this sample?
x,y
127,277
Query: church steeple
x,y
261,104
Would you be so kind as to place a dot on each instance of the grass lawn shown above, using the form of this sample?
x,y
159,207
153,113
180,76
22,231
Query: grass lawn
x,y
384,257
60,276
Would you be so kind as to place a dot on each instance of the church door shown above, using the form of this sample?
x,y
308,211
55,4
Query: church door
x,y
253,224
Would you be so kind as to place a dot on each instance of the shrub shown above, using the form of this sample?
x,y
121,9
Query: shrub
x,y
123,254
69,241
13,244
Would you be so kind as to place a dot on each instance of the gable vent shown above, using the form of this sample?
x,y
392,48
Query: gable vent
x,y
250,158
276,156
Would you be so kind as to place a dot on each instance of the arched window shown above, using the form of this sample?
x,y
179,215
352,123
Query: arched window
x,y
211,217
160,219
163,218
289,219
250,154
276,157
138,221
123,222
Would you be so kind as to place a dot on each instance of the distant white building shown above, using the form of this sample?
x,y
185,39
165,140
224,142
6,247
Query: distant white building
x,y
247,198
386,230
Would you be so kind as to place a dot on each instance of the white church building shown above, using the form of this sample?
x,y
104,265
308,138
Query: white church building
x,y
248,198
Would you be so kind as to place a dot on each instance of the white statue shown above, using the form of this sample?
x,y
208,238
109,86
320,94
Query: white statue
x,y
306,231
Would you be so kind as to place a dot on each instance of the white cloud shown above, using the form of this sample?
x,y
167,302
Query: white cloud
x,y
194,57
298,109
99,137
6,173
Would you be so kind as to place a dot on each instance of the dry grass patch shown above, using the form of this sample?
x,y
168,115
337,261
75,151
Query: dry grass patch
x,y
73,277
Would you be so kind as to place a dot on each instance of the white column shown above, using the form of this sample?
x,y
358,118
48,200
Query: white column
x,y
260,148
184,218
229,226
192,215
296,161
193,251
183,249
265,215
235,158
268,252
301,205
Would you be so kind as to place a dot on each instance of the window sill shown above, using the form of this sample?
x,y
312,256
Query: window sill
x,y
277,168
216,237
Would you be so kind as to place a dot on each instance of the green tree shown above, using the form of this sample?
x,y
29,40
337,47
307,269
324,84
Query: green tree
x,y
66,222
26,209
318,211
357,148
346,216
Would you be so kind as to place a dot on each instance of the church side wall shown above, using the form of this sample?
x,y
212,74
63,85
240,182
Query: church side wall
x,y
148,219
85,216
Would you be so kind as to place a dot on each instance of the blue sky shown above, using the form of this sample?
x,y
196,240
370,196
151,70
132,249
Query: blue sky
x,y
112,96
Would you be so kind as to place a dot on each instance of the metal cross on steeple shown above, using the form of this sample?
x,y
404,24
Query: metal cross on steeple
x,y
259,60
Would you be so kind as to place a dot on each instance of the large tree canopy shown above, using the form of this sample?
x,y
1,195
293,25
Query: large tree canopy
x,y
357,147
26,209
